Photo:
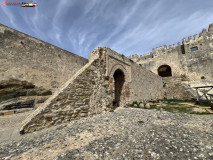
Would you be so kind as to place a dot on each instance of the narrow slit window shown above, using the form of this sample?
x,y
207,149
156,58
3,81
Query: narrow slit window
x,y
194,48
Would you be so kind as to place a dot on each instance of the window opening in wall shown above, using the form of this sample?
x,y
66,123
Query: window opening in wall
x,y
194,48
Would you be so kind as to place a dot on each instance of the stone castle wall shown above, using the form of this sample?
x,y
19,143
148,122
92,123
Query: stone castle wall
x,y
26,58
183,60
145,85
85,94
81,88
91,91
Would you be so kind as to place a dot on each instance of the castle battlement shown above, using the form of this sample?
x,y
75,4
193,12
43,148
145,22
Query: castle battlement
x,y
159,51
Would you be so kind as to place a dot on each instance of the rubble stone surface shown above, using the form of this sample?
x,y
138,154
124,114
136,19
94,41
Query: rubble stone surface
x,y
127,133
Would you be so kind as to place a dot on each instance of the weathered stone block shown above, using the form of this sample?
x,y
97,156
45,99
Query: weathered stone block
x,y
77,110
147,106
141,105
83,114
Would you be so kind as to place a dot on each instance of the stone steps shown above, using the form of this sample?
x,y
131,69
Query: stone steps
x,y
20,96
14,88
22,102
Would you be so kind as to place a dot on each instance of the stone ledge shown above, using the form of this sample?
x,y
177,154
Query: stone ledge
x,y
5,113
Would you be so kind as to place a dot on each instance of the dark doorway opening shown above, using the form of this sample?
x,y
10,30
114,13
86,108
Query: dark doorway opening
x,y
118,85
165,71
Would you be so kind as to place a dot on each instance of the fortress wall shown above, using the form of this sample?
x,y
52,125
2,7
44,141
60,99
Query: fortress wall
x,y
145,85
26,58
199,63
171,59
142,84
182,59
90,91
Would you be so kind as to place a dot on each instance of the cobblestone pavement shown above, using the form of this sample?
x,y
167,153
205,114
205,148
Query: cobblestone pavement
x,y
127,133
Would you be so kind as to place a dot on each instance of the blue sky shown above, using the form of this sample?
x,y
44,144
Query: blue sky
x,y
126,26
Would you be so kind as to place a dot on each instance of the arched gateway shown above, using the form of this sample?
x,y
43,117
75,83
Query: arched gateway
x,y
119,80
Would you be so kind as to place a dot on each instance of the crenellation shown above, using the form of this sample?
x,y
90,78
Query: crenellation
x,y
210,28
185,48
184,40
195,37
153,51
190,39
203,33
181,48
192,57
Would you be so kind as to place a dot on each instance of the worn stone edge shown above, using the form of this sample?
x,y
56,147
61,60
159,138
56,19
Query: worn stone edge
x,y
49,100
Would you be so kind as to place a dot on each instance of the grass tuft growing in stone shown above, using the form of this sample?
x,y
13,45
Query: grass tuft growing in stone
x,y
201,113
135,104
141,122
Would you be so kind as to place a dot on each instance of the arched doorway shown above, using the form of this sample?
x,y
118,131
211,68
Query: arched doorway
x,y
119,80
165,71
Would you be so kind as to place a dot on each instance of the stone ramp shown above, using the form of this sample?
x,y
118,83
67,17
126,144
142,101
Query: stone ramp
x,y
85,94
42,108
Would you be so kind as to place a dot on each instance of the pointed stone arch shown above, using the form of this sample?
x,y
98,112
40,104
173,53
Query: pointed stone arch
x,y
120,67
119,79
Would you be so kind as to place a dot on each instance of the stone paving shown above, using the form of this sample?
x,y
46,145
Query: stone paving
x,y
127,133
